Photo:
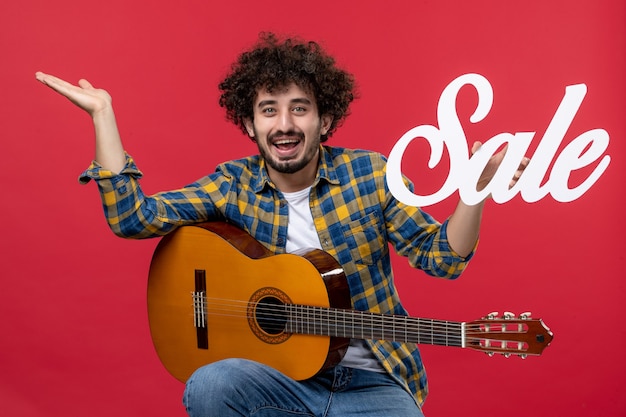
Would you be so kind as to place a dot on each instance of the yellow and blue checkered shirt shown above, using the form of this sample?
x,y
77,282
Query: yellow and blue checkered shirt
x,y
355,215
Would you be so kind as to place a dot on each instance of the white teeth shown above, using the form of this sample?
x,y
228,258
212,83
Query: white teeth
x,y
285,141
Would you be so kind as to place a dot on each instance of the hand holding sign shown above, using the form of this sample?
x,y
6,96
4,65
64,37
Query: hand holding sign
x,y
502,174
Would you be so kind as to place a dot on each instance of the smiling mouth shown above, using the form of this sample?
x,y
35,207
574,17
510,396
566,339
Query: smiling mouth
x,y
286,144
286,141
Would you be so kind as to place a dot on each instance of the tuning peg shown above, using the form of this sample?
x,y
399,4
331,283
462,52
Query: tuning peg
x,y
508,315
523,356
492,315
490,354
506,355
525,316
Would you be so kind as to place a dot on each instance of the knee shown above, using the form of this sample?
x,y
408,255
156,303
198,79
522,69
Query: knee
x,y
215,377
208,388
223,379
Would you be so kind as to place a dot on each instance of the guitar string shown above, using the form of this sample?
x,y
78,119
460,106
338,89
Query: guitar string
x,y
419,335
239,305
326,312
422,328
429,335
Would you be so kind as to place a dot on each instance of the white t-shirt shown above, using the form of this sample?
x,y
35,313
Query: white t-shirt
x,y
301,234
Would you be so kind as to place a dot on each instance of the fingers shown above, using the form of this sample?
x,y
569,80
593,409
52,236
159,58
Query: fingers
x,y
50,80
57,84
84,84
60,85
84,95
524,163
476,146
520,169
522,166
493,165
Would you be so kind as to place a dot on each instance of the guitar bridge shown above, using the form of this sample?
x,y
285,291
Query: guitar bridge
x,y
200,309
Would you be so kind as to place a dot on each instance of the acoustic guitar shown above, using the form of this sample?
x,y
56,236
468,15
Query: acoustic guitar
x,y
214,292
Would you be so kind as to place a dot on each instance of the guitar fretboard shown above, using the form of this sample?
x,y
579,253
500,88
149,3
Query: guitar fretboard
x,y
303,319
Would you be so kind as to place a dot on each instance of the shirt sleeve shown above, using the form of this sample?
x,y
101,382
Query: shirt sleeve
x,y
132,214
96,172
423,240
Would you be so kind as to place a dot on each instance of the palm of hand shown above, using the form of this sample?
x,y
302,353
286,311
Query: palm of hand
x,y
84,95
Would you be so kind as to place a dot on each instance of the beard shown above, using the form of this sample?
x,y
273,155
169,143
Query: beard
x,y
286,166
290,166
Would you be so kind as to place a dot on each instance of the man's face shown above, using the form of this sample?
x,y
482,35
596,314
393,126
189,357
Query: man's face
x,y
287,129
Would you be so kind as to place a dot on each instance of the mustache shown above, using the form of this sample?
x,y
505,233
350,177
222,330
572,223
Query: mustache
x,y
287,134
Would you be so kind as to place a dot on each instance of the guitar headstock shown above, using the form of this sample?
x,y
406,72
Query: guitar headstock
x,y
508,335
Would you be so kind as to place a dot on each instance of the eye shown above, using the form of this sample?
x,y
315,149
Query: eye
x,y
268,110
299,109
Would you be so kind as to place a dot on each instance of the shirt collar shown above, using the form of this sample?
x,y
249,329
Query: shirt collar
x,y
325,171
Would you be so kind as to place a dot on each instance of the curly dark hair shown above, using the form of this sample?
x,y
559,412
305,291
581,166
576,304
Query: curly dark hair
x,y
273,64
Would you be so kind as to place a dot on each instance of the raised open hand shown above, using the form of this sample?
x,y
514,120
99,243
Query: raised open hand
x,y
97,102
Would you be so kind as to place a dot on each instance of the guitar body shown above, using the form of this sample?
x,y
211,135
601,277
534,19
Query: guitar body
x,y
237,273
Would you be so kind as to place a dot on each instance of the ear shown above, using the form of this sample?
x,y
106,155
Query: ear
x,y
249,127
326,120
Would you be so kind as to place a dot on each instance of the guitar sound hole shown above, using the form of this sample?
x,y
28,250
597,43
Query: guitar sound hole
x,y
270,315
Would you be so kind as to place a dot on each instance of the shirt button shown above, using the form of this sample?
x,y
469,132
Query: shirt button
x,y
280,241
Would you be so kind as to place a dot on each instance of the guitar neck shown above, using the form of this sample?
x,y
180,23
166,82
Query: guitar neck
x,y
303,319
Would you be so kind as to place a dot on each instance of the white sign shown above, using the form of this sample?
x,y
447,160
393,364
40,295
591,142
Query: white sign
x,y
584,150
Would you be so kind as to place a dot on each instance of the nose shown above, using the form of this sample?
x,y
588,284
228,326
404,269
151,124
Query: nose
x,y
285,121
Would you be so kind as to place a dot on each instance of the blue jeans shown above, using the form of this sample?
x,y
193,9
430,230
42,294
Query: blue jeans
x,y
238,387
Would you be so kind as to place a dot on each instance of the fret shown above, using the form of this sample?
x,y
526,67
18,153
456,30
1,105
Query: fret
x,y
352,325
432,335
418,332
406,335
363,326
317,321
373,329
310,325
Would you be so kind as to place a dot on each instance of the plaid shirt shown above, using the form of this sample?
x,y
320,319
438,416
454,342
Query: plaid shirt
x,y
355,215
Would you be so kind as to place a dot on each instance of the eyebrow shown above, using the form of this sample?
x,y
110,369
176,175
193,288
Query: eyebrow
x,y
299,100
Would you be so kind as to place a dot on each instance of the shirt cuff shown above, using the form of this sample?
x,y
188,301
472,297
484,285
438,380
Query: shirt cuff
x,y
96,172
444,244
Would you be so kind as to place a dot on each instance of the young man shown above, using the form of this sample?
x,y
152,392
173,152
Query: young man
x,y
288,96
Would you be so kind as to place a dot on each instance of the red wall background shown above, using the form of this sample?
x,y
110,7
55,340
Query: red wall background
x,y
74,336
